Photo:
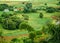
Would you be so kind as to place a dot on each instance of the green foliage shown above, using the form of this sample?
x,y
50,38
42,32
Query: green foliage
x,y
17,20
27,7
26,26
50,10
34,10
27,40
10,8
6,15
57,9
25,17
32,35
38,33
3,6
41,15
9,24
1,34
45,4
15,40
23,26
58,3
43,41
54,30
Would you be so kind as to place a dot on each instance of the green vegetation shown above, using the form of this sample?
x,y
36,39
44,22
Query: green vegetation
x,y
30,22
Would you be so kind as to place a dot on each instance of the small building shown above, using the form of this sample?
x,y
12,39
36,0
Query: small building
x,y
6,10
15,9
58,22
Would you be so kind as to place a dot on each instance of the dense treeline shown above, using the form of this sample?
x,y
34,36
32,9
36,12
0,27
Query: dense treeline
x,y
5,6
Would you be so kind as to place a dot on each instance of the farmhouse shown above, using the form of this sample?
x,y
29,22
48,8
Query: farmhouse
x,y
6,10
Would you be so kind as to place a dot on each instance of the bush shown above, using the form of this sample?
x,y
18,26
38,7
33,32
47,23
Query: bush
x,y
1,19
33,10
55,31
26,17
25,26
27,40
15,40
27,8
32,35
50,10
17,20
41,15
58,9
58,3
9,24
6,15
3,6
38,33
10,8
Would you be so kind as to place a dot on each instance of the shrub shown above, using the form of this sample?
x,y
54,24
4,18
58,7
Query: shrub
x,y
58,3
41,15
58,9
10,8
6,15
25,26
27,8
53,30
27,40
17,20
33,10
1,19
26,17
15,40
38,32
3,6
50,10
32,35
9,24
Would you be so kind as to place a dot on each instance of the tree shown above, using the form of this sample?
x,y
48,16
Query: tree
x,y
3,6
27,40
15,40
26,27
41,15
17,20
32,35
34,10
27,7
50,10
10,8
26,17
58,3
43,41
38,32
6,15
54,30
45,4
9,24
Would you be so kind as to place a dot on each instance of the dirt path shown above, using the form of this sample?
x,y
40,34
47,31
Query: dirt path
x,y
8,38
